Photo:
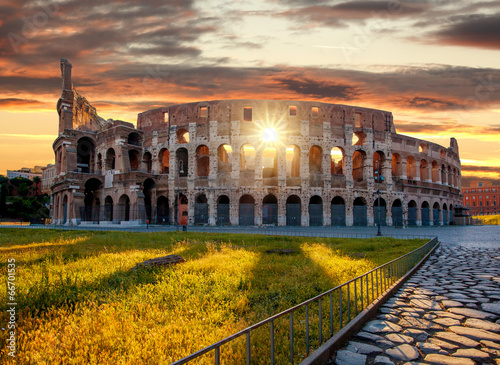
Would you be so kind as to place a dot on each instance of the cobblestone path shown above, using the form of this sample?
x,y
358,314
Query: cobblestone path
x,y
447,313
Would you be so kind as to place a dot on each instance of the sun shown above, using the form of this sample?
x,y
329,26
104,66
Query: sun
x,y
270,135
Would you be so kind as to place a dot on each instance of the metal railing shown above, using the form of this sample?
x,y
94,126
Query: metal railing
x,y
314,321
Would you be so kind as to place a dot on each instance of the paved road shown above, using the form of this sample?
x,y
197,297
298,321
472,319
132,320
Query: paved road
x,y
447,313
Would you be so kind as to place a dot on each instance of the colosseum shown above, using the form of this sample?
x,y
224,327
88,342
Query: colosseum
x,y
248,162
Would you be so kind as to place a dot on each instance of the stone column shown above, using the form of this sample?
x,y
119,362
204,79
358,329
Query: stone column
x,y
403,170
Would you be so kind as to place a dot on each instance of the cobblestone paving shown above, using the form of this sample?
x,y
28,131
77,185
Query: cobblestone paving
x,y
447,313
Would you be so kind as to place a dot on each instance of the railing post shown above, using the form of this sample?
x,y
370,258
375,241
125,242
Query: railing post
x,y
217,356
307,329
291,337
272,341
320,323
248,348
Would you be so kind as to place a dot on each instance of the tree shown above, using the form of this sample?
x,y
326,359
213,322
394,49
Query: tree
x,y
4,191
23,190
37,181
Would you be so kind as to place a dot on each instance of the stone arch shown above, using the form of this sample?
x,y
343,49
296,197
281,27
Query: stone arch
x,y
358,138
269,163
124,208
445,214
396,165
412,213
425,213
435,172
293,211
147,160
247,157
378,165
65,209
223,210
292,161
85,151
337,161
338,211
148,188
202,161
133,156
422,148
315,160
315,211
247,210
380,207
270,210
110,159
108,209
358,164
201,209
443,174
224,153
134,139
360,212
90,211
182,156
162,210
424,171
182,216
164,158
411,168
436,209
397,213
182,136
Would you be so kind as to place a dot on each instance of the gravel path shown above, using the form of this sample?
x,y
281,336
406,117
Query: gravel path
x,y
447,313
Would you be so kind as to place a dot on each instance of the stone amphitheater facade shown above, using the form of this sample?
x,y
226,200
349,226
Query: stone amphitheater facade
x,y
212,157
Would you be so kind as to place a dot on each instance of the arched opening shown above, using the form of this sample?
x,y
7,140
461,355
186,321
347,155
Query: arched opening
x,y
124,208
358,164
162,211
396,165
426,215
182,158
424,171
435,171
90,211
182,136
65,209
445,214
148,187
202,161
247,210
133,157
435,214
269,163
338,211
379,212
110,159
293,211
270,210
85,155
442,154
223,210
164,157
412,213
247,157
315,157
337,161
422,148
315,211
292,161
411,168
359,212
378,166
201,209
397,213
224,152
182,210
134,139
147,159
108,209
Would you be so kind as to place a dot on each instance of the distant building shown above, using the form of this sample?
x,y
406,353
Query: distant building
x,y
25,172
48,176
482,197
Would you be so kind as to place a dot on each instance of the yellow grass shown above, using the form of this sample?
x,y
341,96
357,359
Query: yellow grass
x,y
79,302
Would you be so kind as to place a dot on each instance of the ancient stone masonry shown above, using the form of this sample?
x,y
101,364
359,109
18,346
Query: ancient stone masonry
x,y
248,162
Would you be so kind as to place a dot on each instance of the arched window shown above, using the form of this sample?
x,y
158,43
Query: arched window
x,y
85,155
315,159
133,156
182,161
337,161
358,164
202,161
247,157
224,152
148,161
292,161
110,159
164,158
378,165
396,166
269,162
182,136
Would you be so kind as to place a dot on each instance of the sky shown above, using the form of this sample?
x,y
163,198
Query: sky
x,y
435,64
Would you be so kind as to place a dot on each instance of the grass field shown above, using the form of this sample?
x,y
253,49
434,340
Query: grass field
x,y
79,302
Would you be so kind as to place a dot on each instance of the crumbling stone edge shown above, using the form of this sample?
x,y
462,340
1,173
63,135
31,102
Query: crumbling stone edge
x,y
326,351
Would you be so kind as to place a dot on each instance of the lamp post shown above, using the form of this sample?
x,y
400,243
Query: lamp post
x,y
181,171
379,177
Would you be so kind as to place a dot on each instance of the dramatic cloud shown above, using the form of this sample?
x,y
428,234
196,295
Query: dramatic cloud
x,y
472,31
318,89
444,128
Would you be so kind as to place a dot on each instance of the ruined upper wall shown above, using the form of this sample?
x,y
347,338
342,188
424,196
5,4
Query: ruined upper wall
x,y
273,111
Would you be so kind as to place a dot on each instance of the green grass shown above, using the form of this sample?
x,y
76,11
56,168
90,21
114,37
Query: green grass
x,y
79,302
